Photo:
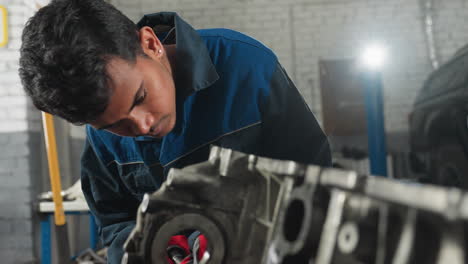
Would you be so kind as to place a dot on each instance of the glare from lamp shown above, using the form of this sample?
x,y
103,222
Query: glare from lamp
x,y
373,57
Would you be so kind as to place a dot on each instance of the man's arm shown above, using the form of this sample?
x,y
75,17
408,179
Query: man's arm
x,y
109,201
290,130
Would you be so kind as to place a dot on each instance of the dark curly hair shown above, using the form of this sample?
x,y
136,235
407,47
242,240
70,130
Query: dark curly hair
x,y
65,48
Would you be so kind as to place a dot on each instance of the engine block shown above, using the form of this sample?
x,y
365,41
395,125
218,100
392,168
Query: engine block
x,y
258,210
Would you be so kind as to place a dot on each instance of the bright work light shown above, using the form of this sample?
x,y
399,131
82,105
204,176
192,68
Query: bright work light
x,y
373,57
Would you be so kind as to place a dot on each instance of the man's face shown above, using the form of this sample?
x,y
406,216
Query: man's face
x,y
143,95
142,101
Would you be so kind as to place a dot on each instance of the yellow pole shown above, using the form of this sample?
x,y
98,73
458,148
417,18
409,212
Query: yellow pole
x,y
54,171
4,23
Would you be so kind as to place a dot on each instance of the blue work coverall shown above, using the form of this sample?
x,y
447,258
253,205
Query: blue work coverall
x,y
231,91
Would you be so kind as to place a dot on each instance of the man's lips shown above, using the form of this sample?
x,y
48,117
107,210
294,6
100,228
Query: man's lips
x,y
154,132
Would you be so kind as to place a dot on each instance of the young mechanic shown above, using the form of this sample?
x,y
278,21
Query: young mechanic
x,y
156,95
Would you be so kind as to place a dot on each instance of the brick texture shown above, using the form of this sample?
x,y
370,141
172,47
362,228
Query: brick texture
x,y
16,232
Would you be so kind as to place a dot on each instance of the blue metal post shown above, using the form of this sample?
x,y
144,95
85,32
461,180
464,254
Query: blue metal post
x,y
375,123
93,236
46,251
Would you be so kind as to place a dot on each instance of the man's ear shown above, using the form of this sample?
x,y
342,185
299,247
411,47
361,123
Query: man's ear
x,y
150,43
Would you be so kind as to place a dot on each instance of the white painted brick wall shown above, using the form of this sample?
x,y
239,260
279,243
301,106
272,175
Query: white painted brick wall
x,y
16,233
450,27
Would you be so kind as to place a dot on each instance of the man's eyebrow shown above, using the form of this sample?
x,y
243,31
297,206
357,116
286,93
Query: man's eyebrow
x,y
135,100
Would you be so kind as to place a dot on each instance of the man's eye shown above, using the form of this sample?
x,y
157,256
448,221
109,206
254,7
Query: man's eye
x,y
140,99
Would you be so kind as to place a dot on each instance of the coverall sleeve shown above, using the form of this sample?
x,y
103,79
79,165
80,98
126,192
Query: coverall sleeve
x,y
109,202
290,130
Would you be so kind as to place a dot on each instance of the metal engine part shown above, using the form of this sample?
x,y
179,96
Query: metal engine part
x,y
259,210
228,199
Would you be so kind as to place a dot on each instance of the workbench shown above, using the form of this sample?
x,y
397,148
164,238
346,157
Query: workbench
x,y
46,209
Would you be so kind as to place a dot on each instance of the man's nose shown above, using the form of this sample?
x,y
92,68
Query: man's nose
x,y
142,123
